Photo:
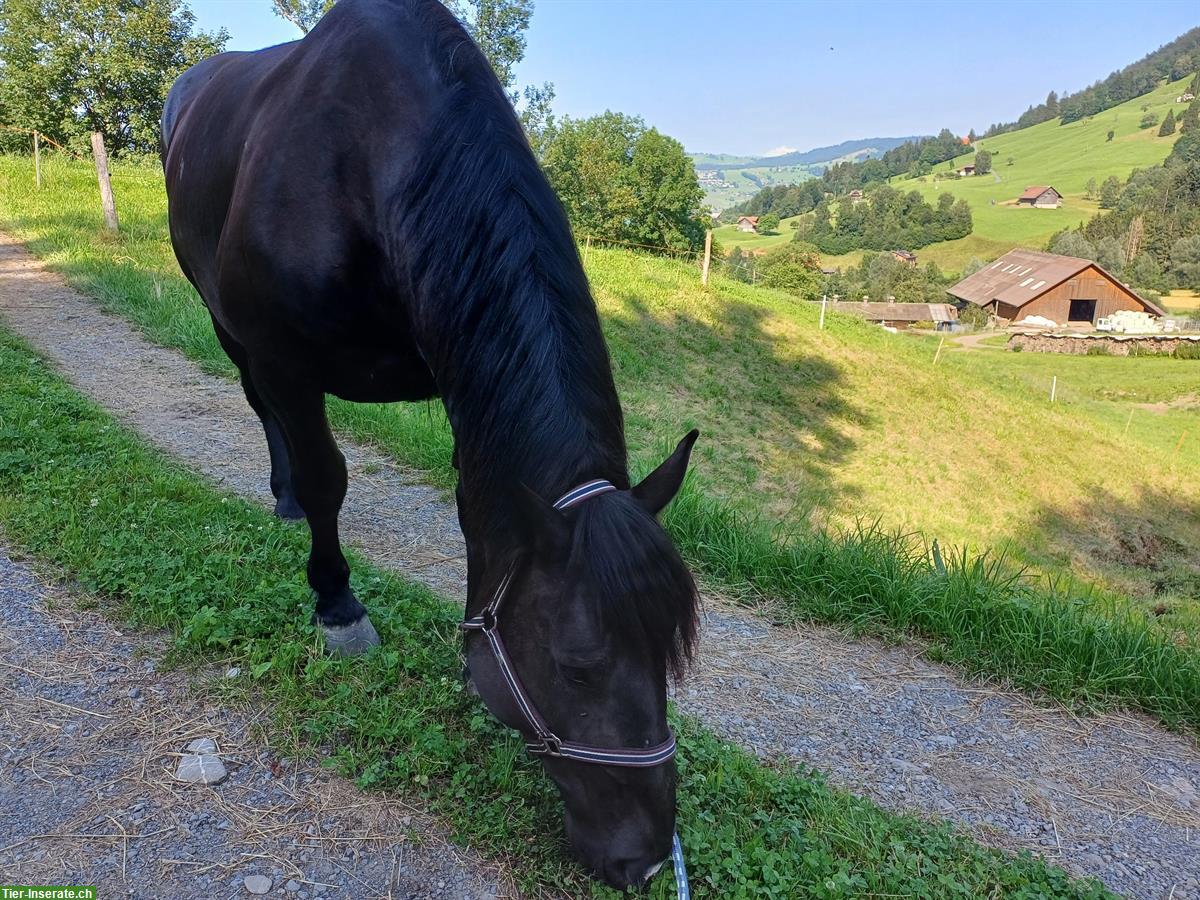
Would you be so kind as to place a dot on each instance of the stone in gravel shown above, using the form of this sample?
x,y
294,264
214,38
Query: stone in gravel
x,y
202,745
233,672
256,884
292,886
201,768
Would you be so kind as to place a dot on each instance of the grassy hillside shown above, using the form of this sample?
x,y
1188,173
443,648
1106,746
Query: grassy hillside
x,y
1064,156
827,426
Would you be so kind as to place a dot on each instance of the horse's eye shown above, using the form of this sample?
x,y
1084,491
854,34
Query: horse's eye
x,y
577,674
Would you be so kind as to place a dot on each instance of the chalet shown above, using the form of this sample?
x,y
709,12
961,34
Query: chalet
x,y
901,315
1063,290
1185,97
748,223
966,171
1040,197
856,196
906,257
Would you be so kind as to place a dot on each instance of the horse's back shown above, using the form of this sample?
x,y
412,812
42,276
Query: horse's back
x,y
279,164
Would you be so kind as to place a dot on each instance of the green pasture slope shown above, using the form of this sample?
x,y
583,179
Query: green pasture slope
x,y
726,237
166,550
807,435
1064,156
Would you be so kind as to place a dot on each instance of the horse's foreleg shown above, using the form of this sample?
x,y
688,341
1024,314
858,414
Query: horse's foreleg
x,y
319,478
286,505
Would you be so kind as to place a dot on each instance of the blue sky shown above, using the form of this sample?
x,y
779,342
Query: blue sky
x,y
748,77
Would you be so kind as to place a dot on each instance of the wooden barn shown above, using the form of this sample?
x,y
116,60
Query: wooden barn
x,y
1040,196
901,315
748,224
905,256
1064,290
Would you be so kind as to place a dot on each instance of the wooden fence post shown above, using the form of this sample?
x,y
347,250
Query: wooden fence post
x,y
707,257
1053,388
938,355
37,162
106,192
821,324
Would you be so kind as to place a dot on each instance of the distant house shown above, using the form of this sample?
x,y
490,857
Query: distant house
x,y
901,315
1064,290
966,171
906,257
748,223
1040,197
1185,97
856,196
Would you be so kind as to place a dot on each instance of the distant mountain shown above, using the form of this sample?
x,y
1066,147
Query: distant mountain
x,y
862,146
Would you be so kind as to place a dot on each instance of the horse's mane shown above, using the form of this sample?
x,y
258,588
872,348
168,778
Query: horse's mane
x,y
503,312
507,324
630,569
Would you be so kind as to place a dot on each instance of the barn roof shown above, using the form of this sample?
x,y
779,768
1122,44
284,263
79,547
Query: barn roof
x,y
899,312
753,220
1021,276
1034,191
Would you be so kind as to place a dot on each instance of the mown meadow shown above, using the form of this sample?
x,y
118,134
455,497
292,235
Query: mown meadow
x,y
830,459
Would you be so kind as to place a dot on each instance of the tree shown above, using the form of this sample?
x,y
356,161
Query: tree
x,y
1109,136
795,267
1072,243
1110,254
304,14
1182,67
1168,124
768,224
1149,120
1051,105
1185,261
1110,192
70,67
623,181
1190,119
983,162
1090,189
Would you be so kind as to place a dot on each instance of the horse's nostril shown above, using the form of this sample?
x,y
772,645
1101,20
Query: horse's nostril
x,y
653,870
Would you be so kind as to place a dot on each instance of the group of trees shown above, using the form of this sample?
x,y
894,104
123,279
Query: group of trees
x,y
881,275
783,200
914,157
71,67
885,220
623,181
1175,60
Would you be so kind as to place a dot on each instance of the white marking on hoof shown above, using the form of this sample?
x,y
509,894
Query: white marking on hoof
x,y
351,640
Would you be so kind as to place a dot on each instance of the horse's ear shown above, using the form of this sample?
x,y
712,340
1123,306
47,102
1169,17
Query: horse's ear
x,y
659,487
542,526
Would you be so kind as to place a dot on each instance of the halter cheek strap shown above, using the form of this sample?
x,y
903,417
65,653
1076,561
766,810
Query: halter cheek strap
x,y
544,741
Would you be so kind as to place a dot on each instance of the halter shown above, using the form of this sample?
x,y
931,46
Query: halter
x,y
545,742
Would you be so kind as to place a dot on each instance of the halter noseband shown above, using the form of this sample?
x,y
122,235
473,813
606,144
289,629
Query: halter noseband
x,y
545,742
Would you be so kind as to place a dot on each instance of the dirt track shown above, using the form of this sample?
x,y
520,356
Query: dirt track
x,y
1113,796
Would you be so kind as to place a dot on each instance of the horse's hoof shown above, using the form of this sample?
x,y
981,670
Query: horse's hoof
x,y
350,640
288,509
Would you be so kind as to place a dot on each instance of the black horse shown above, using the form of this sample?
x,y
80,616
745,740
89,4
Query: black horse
x,y
362,215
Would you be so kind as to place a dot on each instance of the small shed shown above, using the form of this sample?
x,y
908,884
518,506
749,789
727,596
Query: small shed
x,y
748,224
966,170
1064,290
905,256
1040,196
901,315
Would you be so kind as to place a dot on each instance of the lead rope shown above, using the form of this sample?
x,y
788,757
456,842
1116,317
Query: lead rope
x,y
681,879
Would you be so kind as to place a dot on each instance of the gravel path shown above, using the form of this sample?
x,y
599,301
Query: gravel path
x,y
1113,796
92,737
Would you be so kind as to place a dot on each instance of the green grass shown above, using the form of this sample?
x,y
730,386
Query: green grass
x,y
726,237
227,580
806,431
